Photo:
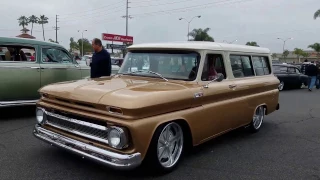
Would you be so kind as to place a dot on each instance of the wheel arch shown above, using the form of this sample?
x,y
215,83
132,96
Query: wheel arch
x,y
188,141
264,105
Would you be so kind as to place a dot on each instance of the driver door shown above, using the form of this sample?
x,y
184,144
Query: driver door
x,y
220,112
293,76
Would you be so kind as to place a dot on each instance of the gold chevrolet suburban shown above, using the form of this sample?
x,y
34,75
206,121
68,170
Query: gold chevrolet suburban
x,y
166,97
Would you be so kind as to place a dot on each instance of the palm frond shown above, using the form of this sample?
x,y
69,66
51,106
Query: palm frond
x,y
316,14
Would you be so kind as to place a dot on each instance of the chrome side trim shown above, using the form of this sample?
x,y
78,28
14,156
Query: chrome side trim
x,y
106,157
17,103
17,67
83,123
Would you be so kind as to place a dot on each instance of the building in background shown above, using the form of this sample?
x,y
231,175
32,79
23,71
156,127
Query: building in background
x,y
293,58
25,34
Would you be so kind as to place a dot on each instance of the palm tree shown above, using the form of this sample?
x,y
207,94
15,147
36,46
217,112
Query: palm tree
x,y
274,55
298,52
23,21
316,14
315,47
43,20
253,43
33,20
201,35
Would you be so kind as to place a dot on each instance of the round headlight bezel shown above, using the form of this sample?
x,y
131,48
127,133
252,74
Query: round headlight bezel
x,y
40,115
122,135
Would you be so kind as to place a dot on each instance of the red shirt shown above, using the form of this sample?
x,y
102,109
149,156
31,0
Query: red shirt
x,y
212,73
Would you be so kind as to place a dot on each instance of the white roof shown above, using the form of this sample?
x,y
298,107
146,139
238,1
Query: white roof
x,y
200,45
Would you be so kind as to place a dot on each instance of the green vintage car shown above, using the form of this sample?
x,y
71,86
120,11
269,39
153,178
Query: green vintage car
x,y
21,75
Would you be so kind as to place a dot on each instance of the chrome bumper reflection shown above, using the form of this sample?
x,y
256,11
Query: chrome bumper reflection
x,y
111,159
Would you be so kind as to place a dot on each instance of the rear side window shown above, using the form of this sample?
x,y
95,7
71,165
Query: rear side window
x,y
279,69
241,66
261,65
19,53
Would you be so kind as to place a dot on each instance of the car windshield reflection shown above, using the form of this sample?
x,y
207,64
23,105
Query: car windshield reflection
x,y
170,64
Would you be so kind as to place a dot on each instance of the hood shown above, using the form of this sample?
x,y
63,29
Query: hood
x,y
128,93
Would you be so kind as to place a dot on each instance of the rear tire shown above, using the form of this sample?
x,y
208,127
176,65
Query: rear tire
x,y
166,148
281,86
257,119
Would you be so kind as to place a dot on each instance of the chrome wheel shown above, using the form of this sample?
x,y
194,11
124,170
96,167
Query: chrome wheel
x,y
258,117
170,145
281,86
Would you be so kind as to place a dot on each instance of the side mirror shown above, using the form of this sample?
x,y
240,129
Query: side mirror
x,y
219,77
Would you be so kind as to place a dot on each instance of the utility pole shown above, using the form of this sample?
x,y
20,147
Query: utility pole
x,y
82,42
56,28
127,16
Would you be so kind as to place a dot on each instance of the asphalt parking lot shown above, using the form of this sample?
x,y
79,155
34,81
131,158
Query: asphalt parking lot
x,y
287,147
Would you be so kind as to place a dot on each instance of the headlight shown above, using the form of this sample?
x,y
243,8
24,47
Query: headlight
x,y
117,138
40,115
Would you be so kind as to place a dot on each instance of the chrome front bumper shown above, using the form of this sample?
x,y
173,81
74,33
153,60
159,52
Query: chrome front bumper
x,y
111,159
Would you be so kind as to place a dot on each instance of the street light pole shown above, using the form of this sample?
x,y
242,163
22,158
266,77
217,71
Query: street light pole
x,y
284,43
82,42
189,23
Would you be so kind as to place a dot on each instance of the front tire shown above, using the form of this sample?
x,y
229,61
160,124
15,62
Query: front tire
x,y
166,148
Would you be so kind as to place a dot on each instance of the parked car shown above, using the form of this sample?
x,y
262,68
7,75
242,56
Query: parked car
x,y
190,93
87,59
116,61
289,76
22,77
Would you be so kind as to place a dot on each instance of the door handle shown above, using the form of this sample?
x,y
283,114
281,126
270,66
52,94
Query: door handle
x,y
35,67
231,86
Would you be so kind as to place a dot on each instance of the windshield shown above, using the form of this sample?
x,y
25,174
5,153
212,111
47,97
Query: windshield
x,y
170,64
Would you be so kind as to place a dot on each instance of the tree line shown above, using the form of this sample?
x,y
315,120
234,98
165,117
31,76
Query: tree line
x,y
41,20
203,35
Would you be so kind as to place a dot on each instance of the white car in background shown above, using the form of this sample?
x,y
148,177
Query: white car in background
x,y
86,60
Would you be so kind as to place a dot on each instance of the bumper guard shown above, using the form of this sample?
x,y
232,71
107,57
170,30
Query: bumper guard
x,y
111,159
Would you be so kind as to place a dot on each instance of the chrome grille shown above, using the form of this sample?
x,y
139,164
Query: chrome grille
x,y
78,127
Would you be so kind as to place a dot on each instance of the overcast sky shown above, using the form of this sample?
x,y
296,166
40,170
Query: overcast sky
x,y
158,20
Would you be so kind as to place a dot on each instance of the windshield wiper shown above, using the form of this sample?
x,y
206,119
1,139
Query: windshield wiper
x,y
151,72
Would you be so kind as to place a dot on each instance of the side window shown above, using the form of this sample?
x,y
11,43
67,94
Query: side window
x,y
284,69
291,70
212,66
17,53
266,65
52,55
241,66
261,65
